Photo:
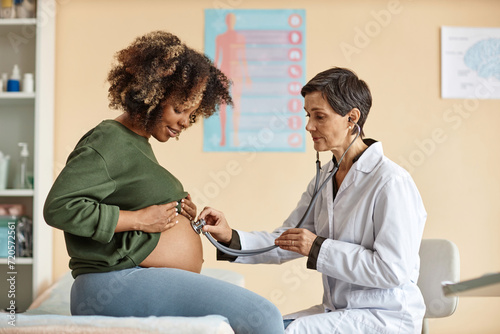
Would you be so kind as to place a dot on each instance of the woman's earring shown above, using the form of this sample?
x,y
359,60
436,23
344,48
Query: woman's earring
x,y
350,127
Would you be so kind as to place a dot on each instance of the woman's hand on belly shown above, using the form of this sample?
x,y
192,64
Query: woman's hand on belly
x,y
188,208
153,219
179,247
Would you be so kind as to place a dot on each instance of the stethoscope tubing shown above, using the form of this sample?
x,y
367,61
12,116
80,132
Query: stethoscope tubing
x,y
250,252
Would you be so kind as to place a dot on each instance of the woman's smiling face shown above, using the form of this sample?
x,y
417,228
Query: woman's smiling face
x,y
174,119
177,116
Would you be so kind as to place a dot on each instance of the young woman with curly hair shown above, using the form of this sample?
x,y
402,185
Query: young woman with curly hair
x,y
132,253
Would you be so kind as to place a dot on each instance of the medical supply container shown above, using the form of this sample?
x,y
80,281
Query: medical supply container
x,y
22,178
4,170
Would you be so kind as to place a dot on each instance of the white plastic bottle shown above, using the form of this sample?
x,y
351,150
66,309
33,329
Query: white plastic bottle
x,y
4,170
24,8
28,83
7,10
22,180
5,78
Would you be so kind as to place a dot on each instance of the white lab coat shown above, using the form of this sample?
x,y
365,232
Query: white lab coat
x,y
369,261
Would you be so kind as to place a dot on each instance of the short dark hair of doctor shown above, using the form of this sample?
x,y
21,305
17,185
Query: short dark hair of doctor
x,y
343,90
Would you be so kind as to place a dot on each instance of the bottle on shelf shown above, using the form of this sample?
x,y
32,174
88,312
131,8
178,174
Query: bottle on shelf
x,y
4,170
13,85
7,10
5,78
24,8
28,83
22,179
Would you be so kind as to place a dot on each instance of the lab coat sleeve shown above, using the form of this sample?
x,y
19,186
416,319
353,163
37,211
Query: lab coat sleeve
x,y
253,240
392,260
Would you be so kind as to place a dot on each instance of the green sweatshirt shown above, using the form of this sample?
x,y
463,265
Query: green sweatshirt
x,y
111,168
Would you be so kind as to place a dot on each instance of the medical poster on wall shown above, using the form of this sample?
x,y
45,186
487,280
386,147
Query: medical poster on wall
x,y
470,63
263,54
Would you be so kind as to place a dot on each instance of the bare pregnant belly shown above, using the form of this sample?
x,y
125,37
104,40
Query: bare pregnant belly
x,y
179,247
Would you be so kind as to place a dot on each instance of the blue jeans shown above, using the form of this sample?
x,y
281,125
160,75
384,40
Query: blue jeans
x,y
143,292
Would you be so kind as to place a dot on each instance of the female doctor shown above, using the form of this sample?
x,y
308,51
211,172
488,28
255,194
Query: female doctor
x,y
365,229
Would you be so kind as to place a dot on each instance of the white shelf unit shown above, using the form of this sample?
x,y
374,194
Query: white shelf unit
x,y
17,96
17,193
19,260
29,117
14,22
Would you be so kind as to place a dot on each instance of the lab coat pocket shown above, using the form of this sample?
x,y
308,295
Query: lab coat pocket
x,y
381,299
380,310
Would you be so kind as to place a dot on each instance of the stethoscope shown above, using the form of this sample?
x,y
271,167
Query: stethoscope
x,y
198,225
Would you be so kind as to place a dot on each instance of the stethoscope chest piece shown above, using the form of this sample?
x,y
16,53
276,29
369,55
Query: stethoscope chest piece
x,y
198,225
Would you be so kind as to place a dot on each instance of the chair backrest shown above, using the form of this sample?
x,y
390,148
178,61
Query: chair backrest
x,y
439,262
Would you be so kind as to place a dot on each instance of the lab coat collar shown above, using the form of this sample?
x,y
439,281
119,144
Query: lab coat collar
x,y
369,158
365,162
368,142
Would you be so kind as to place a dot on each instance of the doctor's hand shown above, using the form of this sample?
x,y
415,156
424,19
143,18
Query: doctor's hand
x,y
216,225
297,240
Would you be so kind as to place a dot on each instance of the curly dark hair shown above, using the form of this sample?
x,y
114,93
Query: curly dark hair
x,y
158,67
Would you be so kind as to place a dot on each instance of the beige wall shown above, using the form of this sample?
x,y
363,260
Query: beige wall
x,y
456,172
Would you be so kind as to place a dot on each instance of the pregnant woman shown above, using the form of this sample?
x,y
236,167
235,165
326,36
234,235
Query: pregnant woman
x,y
126,218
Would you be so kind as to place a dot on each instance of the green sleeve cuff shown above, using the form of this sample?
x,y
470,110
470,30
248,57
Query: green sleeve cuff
x,y
233,244
105,231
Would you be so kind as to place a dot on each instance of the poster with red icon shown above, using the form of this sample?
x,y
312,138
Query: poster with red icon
x,y
263,53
